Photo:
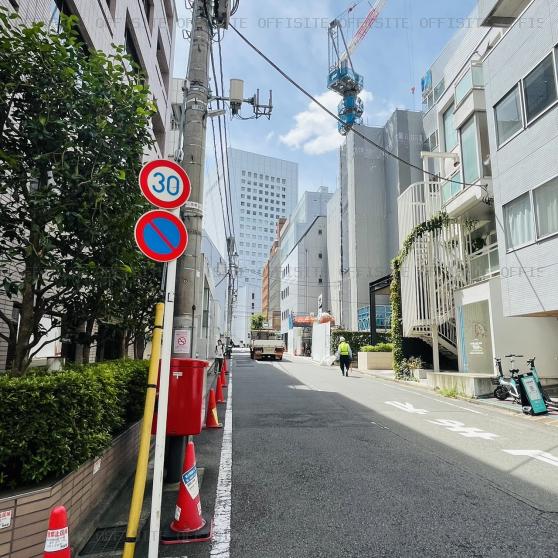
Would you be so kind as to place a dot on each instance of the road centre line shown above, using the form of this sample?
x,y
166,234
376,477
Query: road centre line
x,y
221,542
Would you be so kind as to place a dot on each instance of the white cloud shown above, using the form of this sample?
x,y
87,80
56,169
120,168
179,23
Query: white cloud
x,y
315,131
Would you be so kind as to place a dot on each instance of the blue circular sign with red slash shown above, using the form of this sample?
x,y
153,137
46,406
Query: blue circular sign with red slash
x,y
161,236
164,183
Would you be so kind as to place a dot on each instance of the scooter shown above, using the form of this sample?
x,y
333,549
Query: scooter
x,y
505,388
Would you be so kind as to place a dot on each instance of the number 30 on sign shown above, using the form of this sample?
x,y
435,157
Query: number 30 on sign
x,y
164,183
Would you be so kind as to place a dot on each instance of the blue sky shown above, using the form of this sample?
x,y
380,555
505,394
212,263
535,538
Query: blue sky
x,y
393,57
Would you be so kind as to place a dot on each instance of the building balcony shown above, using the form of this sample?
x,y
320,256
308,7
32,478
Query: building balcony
x,y
500,13
469,202
469,95
484,264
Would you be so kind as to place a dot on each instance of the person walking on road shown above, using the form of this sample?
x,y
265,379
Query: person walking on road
x,y
219,355
345,356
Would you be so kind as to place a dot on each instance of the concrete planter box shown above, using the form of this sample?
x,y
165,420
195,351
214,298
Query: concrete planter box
x,y
84,492
466,383
375,361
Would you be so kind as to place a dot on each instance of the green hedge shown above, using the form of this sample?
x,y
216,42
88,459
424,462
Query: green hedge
x,y
355,339
54,422
379,348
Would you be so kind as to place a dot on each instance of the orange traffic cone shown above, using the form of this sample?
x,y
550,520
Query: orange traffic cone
x,y
212,420
223,378
219,390
225,366
57,543
189,524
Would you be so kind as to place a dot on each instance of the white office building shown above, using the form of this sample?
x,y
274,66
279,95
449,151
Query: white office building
x,y
304,269
483,286
263,189
362,215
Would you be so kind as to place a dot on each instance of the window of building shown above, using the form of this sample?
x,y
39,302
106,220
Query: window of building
x,y
284,182
15,5
319,231
545,199
518,222
253,296
249,174
469,152
539,88
508,117
243,173
320,280
450,133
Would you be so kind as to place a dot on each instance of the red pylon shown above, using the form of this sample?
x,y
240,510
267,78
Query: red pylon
x,y
189,524
219,390
57,544
223,378
212,420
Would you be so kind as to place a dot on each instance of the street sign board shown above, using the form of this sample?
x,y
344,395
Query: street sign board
x,y
161,236
164,183
531,392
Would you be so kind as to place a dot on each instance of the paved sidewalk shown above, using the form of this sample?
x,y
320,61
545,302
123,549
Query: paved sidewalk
x,y
508,406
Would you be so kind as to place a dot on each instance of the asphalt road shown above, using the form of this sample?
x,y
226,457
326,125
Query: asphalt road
x,y
329,466
312,464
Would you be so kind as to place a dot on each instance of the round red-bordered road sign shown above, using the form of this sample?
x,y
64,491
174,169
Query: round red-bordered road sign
x,y
161,236
164,183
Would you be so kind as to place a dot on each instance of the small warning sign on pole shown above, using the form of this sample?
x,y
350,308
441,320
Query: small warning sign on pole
x,y
181,344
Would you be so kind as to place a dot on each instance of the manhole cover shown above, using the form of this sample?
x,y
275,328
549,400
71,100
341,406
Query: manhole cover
x,y
105,539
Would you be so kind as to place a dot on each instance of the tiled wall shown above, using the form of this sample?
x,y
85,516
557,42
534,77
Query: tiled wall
x,y
81,492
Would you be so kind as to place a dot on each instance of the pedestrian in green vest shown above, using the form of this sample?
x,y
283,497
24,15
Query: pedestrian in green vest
x,y
345,356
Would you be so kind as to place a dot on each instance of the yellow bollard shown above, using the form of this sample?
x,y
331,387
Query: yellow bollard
x,y
145,436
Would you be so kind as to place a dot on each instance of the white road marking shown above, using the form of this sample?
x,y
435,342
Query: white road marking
x,y
407,407
304,387
221,542
467,431
536,454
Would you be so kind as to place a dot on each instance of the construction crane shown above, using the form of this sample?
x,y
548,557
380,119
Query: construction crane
x,y
342,77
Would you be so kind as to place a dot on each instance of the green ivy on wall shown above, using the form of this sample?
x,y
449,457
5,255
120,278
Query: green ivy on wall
x,y
436,223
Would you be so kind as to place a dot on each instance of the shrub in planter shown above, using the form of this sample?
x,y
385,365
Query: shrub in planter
x,y
379,348
54,422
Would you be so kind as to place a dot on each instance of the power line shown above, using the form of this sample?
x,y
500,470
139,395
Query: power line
x,y
225,125
334,116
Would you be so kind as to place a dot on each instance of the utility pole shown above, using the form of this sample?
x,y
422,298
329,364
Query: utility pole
x,y
231,292
195,118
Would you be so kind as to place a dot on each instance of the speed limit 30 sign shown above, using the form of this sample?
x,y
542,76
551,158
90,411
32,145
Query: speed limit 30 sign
x,y
164,183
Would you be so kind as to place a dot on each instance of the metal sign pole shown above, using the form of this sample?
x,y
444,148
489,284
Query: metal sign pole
x,y
157,493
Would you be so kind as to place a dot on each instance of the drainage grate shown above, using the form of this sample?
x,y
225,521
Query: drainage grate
x,y
105,539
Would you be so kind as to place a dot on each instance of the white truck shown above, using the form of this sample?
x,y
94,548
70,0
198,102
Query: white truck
x,y
266,343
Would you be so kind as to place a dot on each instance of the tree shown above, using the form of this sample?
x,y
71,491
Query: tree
x,y
257,321
74,126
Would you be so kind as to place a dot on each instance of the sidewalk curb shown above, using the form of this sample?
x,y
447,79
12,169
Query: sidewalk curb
x,y
512,411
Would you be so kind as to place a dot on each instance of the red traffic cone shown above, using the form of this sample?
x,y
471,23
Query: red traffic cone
x,y
189,524
212,420
225,366
57,544
223,378
219,390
